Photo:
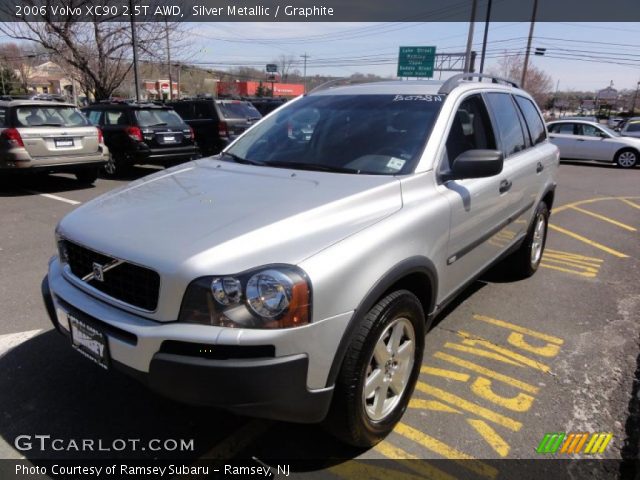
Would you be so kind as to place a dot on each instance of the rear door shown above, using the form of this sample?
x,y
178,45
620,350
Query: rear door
x,y
114,122
55,130
563,135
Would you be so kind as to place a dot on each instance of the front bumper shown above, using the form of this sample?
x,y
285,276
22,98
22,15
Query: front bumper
x,y
272,387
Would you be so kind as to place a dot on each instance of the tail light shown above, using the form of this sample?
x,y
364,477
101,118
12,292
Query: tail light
x,y
191,134
100,136
135,134
12,137
223,129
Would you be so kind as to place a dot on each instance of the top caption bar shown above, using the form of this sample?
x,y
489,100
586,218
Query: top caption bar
x,y
316,10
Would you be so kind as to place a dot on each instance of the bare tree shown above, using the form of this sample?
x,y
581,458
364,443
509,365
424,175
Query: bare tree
x,y
285,62
96,52
539,83
21,60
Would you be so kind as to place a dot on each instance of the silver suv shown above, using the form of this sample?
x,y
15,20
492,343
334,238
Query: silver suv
x,y
45,136
294,276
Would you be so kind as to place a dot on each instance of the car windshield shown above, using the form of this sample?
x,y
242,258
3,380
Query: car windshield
x,y
158,118
238,110
39,115
374,134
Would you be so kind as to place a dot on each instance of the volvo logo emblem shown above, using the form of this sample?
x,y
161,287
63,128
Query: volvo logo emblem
x,y
98,272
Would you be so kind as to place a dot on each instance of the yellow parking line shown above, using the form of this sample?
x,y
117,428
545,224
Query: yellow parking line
x,y
566,270
495,441
434,405
355,469
587,241
238,440
592,200
603,218
423,468
441,372
470,406
442,449
481,353
519,329
592,267
487,373
630,203
572,256
520,403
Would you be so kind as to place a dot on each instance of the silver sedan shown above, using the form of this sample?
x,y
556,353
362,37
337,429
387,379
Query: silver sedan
x,y
584,140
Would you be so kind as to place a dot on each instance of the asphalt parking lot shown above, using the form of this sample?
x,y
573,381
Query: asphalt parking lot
x,y
508,363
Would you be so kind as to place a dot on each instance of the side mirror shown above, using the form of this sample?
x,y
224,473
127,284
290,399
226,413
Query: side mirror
x,y
476,164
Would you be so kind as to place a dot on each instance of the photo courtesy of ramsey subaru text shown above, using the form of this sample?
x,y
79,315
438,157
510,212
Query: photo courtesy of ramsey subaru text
x,y
294,275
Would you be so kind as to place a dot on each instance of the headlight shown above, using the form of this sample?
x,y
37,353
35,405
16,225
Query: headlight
x,y
276,297
62,249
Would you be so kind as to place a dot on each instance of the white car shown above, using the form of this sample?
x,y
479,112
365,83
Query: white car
x,y
631,128
584,140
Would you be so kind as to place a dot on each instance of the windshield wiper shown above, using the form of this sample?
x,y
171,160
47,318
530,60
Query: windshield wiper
x,y
244,161
312,166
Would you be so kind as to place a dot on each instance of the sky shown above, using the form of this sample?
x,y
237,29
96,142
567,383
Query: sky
x,y
580,56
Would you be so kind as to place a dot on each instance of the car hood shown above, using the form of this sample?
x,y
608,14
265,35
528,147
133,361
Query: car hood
x,y
215,217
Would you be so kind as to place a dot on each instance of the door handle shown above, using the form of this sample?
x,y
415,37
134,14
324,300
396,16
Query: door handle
x,y
505,186
539,167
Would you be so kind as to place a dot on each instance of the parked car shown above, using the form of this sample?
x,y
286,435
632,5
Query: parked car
x,y
41,136
295,278
141,133
581,140
631,128
216,123
266,105
49,97
613,122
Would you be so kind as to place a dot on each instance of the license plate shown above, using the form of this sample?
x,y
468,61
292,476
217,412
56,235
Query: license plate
x,y
169,138
64,142
89,341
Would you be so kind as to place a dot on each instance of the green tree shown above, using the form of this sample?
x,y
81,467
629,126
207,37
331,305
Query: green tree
x,y
8,80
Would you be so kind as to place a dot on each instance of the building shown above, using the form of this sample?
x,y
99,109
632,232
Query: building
x,y
49,77
249,89
158,89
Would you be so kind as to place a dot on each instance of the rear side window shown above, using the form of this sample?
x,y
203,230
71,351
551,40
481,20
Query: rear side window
x,y
185,110
115,117
203,110
50,116
93,116
562,128
507,122
238,110
532,118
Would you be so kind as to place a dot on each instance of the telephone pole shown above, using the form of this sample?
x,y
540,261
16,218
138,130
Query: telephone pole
x,y
166,30
467,60
305,56
484,38
526,55
134,44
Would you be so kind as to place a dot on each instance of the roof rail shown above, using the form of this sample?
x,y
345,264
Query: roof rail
x,y
454,81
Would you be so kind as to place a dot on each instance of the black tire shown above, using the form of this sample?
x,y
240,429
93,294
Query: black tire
x,y
627,158
523,262
116,166
348,417
88,175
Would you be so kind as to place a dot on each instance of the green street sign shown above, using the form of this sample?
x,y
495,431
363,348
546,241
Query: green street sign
x,y
416,61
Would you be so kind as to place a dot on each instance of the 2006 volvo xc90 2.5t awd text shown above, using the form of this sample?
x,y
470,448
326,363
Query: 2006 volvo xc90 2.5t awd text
x,y
294,276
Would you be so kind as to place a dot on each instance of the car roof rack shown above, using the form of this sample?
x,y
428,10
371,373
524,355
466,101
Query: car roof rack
x,y
456,80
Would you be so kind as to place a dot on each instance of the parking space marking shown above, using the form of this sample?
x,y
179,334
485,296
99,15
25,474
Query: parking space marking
x,y
587,241
54,197
441,372
625,199
519,329
630,203
355,469
604,218
422,468
238,440
495,441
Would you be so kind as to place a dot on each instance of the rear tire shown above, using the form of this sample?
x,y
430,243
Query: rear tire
x,y
115,166
88,176
526,260
379,371
627,158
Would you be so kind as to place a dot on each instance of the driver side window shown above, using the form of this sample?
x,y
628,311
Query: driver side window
x,y
471,129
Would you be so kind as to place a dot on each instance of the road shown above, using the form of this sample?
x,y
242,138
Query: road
x,y
509,362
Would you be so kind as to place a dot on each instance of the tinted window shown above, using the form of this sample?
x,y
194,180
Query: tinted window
x,y
3,117
238,110
158,118
185,110
93,116
115,117
507,122
39,115
471,129
532,118
633,127
203,110
563,128
378,134
589,131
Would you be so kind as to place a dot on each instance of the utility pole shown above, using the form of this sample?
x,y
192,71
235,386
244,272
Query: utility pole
x,y
467,60
179,66
633,107
305,56
526,55
166,30
134,44
486,34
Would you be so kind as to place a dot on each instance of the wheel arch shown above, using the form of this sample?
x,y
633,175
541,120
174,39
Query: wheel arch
x,y
415,274
623,149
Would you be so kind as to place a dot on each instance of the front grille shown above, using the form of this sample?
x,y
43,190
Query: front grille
x,y
129,283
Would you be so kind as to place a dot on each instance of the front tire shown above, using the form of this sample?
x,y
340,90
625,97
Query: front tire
x,y
379,371
526,260
627,158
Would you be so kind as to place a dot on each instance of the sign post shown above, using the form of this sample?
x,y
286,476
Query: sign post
x,y
416,61
271,69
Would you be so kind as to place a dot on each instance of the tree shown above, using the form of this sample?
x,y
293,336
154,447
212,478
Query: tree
x,y
8,80
538,82
284,63
96,51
